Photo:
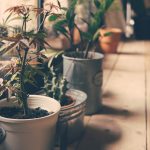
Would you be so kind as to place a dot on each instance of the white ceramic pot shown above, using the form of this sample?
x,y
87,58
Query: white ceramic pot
x,y
30,134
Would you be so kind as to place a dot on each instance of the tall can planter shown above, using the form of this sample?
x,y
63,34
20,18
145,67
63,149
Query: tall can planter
x,y
85,75
30,134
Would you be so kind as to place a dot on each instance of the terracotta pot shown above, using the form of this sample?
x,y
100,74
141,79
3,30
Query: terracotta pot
x,y
109,43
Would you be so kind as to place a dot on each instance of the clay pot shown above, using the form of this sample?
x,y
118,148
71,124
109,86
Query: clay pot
x,y
109,43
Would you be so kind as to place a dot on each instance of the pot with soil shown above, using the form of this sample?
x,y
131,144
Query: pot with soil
x,y
71,118
85,74
34,127
32,133
109,43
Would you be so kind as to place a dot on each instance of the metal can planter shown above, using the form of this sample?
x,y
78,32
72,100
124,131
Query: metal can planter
x,y
86,75
71,118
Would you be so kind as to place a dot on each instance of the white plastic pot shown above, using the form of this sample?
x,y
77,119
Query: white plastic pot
x,y
30,134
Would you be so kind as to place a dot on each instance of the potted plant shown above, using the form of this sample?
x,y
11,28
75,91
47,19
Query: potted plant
x,y
109,44
70,122
27,122
82,67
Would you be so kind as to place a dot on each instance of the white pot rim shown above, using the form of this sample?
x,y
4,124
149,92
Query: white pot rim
x,y
10,120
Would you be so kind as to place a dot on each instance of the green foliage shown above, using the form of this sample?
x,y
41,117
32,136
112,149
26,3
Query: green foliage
x,y
55,85
23,69
96,20
3,31
67,24
53,17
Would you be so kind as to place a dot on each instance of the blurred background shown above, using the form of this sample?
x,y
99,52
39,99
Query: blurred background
x,y
131,16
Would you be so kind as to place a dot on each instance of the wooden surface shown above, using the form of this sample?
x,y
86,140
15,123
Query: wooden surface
x,y
123,123
147,49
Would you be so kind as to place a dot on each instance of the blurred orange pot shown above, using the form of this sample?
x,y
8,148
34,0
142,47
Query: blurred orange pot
x,y
109,43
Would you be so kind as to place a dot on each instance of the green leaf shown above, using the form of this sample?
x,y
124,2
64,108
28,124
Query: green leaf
x,y
107,34
96,35
60,26
71,10
86,35
60,23
8,17
60,29
108,3
97,3
53,17
64,8
73,4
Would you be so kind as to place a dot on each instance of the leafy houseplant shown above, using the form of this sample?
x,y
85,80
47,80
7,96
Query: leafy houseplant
x,y
26,113
82,68
23,42
67,25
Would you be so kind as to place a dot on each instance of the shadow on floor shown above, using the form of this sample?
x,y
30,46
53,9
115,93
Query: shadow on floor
x,y
115,111
99,133
129,53
108,94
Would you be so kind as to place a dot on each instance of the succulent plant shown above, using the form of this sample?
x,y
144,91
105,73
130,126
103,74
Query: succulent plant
x,y
55,85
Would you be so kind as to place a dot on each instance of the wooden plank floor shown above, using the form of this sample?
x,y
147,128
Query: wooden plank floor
x,y
124,121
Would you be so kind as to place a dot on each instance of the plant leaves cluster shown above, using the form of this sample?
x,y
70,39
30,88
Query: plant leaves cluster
x,y
24,68
67,24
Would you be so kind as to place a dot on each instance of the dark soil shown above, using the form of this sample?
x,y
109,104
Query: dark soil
x,y
18,113
66,101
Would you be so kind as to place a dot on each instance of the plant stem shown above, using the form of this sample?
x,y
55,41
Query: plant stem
x,y
71,30
87,49
42,23
23,92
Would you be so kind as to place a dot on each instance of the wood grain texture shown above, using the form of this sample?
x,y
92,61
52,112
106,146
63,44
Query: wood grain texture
x,y
123,123
147,82
120,125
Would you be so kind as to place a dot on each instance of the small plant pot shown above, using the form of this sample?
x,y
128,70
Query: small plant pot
x,y
71,118
30,134
109,43
85,75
